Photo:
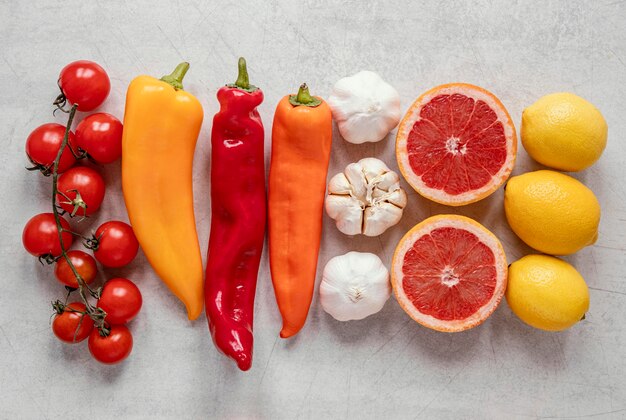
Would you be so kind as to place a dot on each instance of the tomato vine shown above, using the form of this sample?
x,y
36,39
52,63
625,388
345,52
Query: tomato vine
x,y
95,313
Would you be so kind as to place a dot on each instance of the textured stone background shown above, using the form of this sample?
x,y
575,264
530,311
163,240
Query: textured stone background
x,y
385,366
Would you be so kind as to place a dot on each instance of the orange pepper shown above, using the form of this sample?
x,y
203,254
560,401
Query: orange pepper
x,y
301,141
161,127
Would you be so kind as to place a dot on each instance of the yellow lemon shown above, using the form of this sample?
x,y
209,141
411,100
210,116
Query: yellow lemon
x,y
564,131
546,292
552,212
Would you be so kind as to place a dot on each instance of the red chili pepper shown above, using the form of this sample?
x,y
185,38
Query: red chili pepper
x,y
238,206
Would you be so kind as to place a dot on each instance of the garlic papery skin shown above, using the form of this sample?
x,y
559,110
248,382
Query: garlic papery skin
x,y
365,198
354,285
365,107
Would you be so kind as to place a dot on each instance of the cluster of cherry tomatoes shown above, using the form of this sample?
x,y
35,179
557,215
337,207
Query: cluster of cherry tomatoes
x,y
80,192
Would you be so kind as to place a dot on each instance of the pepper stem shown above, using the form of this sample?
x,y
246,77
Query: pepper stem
x,y
304,97
243,80
176,77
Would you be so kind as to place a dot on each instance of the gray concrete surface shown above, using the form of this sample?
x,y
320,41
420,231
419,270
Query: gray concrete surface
x,y
385,366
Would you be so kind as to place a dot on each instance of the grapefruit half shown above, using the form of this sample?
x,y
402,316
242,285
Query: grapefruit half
x,y
449,273
456,144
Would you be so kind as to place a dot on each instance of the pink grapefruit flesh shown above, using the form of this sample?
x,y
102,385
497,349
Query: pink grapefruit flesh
x,y
456,144
449,273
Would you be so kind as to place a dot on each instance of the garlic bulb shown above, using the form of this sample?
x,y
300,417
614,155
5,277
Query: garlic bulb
x,y
365,107
354,286
366,198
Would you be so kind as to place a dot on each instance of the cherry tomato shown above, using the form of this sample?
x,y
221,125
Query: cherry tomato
x,y
84,264
117,244
121,300
43,143
88,183
72,327
85,84
113,348
40,236
100,135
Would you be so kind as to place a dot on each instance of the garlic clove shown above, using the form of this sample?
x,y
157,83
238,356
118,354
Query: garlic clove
x,y
379,194
389,181
397,198
373,169
347,212
354,174
378,218
339,184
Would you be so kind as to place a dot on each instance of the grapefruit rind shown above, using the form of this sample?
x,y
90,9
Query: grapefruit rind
x,y
459,222
412,116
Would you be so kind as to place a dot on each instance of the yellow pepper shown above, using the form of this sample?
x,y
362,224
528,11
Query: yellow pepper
x,y
161,127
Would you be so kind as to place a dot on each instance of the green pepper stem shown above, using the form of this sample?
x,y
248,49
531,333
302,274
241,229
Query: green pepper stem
x,y
243,80
176,77
304,97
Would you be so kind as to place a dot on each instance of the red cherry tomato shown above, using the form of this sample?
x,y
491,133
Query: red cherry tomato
x,y
100,135
121,300
113,348
40,236
88,183
72,327
43,143
117,244
84,264
85,84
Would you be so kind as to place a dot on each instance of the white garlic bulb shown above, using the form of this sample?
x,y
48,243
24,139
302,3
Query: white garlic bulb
x,y
366,198
354,285
365,107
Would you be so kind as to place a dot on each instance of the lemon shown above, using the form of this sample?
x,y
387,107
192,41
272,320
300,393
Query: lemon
x,y
564,131
552,212
546,292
